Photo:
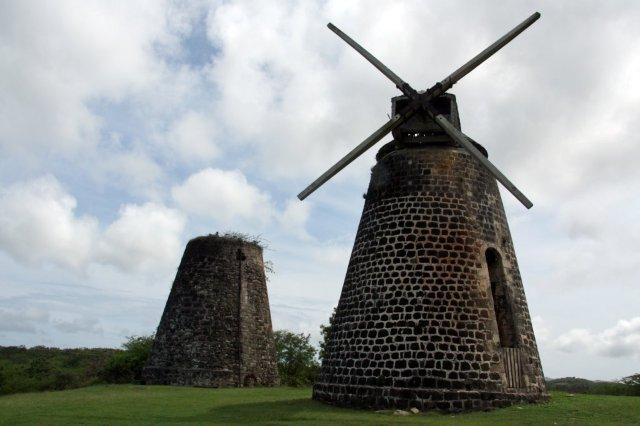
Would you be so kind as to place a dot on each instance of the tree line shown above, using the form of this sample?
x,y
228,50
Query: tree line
x,y
41,368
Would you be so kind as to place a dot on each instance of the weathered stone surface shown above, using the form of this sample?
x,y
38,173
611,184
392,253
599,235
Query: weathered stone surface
x,y
432,313
216,327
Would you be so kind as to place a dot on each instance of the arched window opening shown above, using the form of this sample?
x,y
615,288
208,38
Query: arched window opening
x,y
501,303
249,381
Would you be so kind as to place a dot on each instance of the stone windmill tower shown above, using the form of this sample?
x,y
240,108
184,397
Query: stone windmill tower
x,y
432,312
216,327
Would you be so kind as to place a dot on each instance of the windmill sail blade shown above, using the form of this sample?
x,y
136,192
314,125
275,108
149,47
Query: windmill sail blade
x,y
472,64
395,121
461,139
400,84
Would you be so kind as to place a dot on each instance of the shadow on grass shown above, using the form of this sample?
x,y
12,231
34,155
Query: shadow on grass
x,y
191,407
291,410
277,411
296,411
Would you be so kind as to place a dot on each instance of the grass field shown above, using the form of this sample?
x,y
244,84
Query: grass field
x,y
129,404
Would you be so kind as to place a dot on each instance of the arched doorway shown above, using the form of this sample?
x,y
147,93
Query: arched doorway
x,y
501,303
249,381
510,353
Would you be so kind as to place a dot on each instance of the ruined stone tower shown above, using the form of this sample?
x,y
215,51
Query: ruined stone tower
x,y
216,327
432,312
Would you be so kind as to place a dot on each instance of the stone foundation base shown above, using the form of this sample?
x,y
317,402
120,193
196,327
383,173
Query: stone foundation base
x,y
189,377
422,399
201,377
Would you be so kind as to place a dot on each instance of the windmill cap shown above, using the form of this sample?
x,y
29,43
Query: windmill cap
x,y
445,104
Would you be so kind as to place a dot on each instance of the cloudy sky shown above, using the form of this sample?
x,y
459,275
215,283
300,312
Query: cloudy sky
x,y
127,128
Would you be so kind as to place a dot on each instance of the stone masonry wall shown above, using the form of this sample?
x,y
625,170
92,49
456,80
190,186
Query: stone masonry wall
x,y
216,327
415,325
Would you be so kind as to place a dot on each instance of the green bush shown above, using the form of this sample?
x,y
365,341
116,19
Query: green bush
x,y
42,368
570,384
39,367
126,366
297,365
63,380
629,386
2,378
633,381
613,388
325,332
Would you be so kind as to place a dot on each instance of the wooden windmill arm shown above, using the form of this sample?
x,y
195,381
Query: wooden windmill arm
x,y
463,141
395,121
474,62
368,56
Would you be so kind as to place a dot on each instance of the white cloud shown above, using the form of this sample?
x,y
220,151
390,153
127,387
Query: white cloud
x,y
143,236
79,325
80,51
191,137
75,75
541,329
335,256
293,219
132,169
575,340
38,223
225,197
283,80
621,340
22,321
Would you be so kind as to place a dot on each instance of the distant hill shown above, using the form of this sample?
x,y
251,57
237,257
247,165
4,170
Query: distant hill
x,y
594,387
41,368
570,384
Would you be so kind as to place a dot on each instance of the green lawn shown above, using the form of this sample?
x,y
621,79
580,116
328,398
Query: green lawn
x,y
128,404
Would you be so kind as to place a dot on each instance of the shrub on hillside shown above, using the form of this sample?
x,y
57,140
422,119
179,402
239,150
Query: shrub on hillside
x,y
610,388
633,381
629,386
570,384
42,368
297,365
126,366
